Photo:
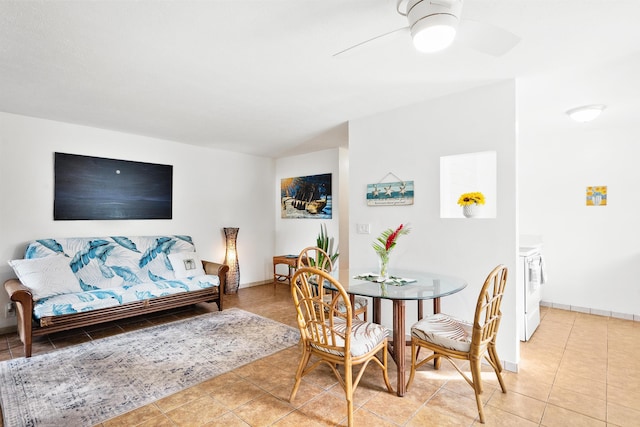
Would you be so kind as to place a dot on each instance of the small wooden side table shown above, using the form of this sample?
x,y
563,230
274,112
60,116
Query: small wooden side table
x,y
291,261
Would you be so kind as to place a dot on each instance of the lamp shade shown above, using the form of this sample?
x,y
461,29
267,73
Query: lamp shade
x,y
586,113
433,24
231,259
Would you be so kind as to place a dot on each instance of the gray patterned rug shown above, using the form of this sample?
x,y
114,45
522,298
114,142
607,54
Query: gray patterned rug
x,y
89,383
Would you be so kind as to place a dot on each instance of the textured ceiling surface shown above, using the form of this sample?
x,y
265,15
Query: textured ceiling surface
x,y
259,77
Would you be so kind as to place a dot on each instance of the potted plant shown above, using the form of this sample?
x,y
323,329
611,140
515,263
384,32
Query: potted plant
x,y
326,243
470,202
384,244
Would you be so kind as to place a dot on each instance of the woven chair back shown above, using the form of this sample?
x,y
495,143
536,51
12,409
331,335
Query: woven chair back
x,y
321,323
487,317
313,256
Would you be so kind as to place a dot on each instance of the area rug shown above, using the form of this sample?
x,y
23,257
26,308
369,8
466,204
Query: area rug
x,y
87,384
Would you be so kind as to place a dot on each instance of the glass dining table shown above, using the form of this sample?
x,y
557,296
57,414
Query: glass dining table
x,y
402,286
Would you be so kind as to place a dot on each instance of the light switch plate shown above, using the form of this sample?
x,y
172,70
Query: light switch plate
x,y
363,228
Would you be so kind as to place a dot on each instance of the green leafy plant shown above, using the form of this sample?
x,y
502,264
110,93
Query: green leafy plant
x,y
385,243
325,243
387,240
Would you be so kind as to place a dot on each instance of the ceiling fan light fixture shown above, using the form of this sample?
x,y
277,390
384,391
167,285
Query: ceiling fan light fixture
x,y
586,113
430,36
433,23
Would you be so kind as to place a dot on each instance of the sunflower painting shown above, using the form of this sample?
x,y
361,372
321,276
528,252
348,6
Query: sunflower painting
x,y
597,196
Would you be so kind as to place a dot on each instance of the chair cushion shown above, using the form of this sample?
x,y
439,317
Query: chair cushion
x,y
77,302
444,331
162,288
358,304
110,262
100,298
364,337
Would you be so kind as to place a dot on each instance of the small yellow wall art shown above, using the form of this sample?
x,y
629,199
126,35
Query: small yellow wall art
x,y
597,196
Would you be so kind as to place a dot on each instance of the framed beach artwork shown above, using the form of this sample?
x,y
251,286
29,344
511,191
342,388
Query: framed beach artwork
x,y
306,197
95,188
390,193
597,195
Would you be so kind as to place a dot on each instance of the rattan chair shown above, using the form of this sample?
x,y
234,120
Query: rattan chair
x,y
333,336
316,257
451,338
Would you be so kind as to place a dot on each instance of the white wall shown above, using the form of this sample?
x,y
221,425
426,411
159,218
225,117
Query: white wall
x,y
293,235
591,253
343,215
212,189
409,142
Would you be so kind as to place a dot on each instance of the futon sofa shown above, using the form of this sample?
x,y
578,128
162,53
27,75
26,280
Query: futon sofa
x,y
66,283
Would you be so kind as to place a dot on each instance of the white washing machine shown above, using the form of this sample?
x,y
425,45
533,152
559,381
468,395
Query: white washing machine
x,y
530,278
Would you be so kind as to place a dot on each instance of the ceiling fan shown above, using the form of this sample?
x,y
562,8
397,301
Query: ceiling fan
x,y
435,24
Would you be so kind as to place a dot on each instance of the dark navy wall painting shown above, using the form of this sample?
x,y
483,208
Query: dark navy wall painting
x,y
306,197
96,188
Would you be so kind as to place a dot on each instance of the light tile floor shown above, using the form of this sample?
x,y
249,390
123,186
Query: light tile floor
x,y
577,370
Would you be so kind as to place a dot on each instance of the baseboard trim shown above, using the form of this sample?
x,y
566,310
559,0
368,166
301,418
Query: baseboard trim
x,y
510,366
8,330
252,284
594,311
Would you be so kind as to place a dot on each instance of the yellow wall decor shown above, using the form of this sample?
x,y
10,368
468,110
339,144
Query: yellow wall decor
x,y
597,195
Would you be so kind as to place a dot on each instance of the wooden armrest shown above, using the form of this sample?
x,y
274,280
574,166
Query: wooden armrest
x,y
23,298
217,269
18,292
214,268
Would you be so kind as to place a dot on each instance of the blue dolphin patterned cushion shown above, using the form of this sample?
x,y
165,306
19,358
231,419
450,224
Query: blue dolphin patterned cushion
x,y
116,270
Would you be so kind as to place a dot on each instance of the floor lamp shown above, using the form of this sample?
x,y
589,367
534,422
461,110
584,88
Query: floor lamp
x,y
231,259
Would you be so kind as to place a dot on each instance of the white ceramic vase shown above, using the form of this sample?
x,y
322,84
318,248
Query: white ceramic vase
x,y
470,211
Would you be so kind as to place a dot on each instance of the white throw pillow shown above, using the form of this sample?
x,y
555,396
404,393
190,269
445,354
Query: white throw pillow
x,y
47,276
186,264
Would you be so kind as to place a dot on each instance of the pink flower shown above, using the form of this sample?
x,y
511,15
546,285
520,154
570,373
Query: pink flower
x,y
392,238
387,240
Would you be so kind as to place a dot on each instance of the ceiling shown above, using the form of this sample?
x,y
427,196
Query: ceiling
x,y
259,77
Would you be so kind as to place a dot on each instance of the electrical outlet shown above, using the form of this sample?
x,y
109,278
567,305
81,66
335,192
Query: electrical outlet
x,y
10,310
363,228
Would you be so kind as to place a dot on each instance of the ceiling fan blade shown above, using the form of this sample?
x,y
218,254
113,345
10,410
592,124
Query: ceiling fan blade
x,y
374,39
487,38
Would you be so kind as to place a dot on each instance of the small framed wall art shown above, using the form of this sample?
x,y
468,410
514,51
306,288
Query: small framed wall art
x,y
390,193
597,195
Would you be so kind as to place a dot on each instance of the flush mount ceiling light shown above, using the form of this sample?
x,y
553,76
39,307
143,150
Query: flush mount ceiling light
x,y
586,113
433,23
433,26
